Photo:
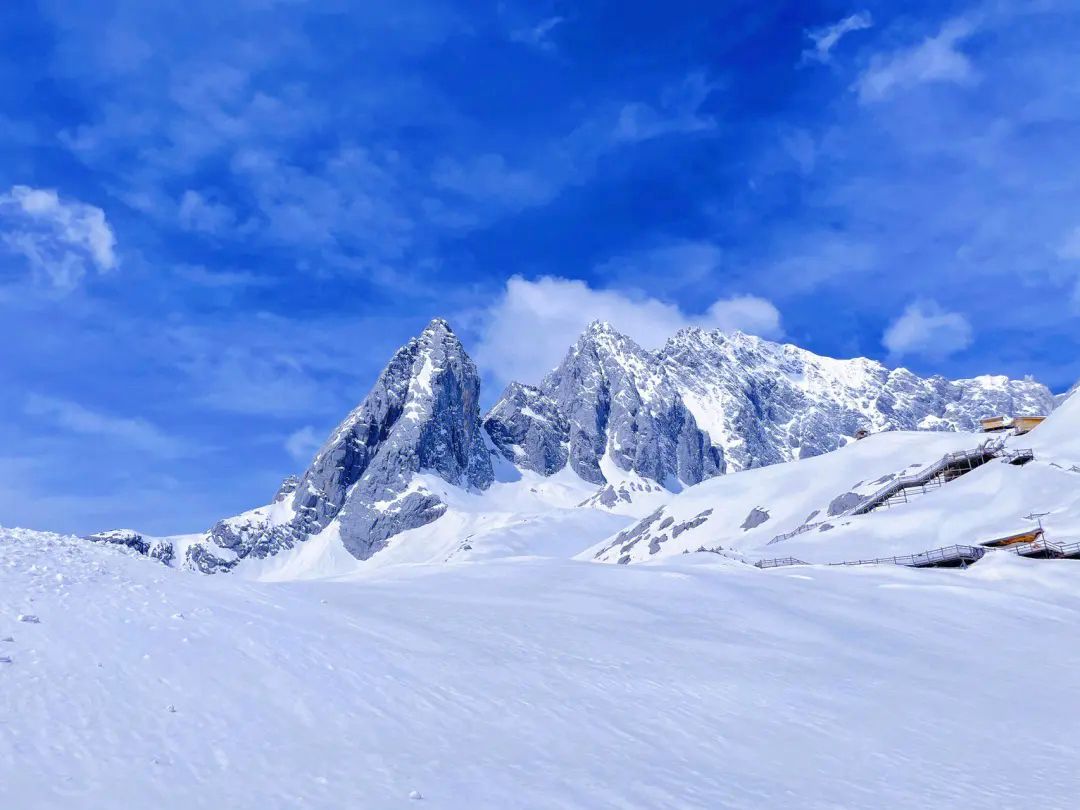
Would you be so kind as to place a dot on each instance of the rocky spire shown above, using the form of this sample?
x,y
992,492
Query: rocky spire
x,y
606,399
421,416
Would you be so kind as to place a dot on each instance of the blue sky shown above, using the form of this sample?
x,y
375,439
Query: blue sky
x,y
218,220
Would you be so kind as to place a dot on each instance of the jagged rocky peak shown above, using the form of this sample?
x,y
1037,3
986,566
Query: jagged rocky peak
x,y
710,401
421,416
608,401
766,402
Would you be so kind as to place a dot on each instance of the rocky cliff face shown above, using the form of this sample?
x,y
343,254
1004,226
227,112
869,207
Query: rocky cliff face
x,y
608,399
710,402
765,402
421,416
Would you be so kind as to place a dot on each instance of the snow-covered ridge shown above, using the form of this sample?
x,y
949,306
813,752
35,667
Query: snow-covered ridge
x,y
710,402
631,427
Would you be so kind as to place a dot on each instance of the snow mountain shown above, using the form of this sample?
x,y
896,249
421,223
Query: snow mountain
x,y
766,402
616,427
608,399
422,414
710,402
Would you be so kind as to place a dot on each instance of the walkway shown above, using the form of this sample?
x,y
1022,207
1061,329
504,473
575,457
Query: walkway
x,y
947,557
958,556
948,468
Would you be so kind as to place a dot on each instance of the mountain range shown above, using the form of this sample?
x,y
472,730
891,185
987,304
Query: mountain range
x,y
619,419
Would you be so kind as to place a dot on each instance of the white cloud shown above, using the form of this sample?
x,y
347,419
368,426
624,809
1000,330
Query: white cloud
x,y
134,432
529,329
59,239
935,59
927,330
747,313
303,444
200,213
826,37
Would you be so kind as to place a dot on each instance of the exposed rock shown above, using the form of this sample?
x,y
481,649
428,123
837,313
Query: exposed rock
x,y
666,415
842,503
161,550
198,558
692,523
626,540
421,416
288,487
765,402
609,398
754,519
529,430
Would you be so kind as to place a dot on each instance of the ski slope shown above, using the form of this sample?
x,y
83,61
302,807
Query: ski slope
x,y
526,683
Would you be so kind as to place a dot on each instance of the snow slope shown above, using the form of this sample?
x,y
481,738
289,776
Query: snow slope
x,y
522,514
529,683
992,501
787,494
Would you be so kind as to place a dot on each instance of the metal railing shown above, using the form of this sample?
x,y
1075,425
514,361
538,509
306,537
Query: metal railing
x,y
1038,548
986,451
963,555
1070,550
957,555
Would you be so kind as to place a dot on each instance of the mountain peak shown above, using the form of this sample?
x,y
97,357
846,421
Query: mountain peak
x,y
421,417
438,326
602,337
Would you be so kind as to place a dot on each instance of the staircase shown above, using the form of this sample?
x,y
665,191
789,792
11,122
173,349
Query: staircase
x,y
948,468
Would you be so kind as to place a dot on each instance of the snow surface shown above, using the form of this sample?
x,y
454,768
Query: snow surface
x,y
535,683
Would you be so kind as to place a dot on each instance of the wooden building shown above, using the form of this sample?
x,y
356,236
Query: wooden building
x,y
1019,425
1023,424
1013,539
993,424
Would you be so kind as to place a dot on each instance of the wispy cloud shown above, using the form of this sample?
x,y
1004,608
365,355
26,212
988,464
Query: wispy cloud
x,y
133,432
680,263
60,240
539,35
200,212
824,39
678,112
202,276
495,183
936,59
303,444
